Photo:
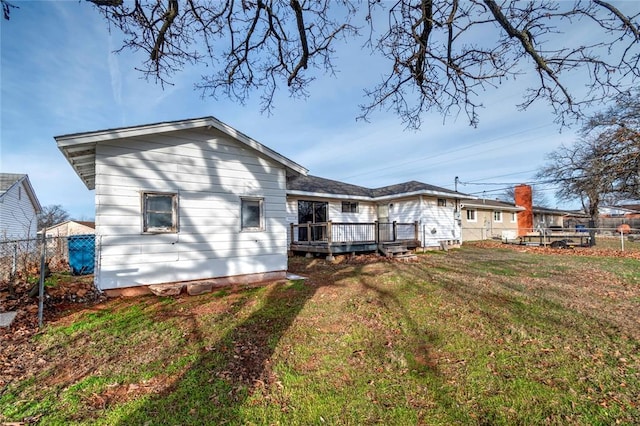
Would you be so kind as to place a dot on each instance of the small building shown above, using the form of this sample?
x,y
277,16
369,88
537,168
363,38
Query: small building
x,y
19,207
485,219
183,200
71,227
546,218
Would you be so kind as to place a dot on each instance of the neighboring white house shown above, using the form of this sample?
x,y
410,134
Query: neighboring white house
x,y
19,207
434,209
184,200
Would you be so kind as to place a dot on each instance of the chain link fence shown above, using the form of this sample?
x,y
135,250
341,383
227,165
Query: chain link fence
x,y
22,258
29,266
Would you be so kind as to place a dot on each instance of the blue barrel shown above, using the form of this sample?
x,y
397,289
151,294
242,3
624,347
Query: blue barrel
x,y
82,250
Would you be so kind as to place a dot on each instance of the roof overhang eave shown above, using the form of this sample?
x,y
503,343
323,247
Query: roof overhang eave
x,y
77,141
493,207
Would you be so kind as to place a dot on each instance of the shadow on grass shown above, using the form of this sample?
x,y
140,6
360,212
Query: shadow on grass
x,y
219,381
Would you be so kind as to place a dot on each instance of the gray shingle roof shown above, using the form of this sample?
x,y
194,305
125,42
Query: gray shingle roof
x,y
318,185
411,186
325,186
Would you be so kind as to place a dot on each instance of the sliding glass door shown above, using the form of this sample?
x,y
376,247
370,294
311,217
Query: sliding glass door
x,y
312,212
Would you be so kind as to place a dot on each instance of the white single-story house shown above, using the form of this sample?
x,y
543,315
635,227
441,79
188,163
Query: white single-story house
x,y
182,201
192,200
424,213
19,207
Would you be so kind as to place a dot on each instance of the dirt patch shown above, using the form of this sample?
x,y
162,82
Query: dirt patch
x,y
66,294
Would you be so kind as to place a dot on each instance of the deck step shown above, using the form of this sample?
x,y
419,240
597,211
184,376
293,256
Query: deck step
x,y
395,250
406,257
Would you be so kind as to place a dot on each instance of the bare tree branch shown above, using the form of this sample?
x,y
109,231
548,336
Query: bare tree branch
x,y
6,9
441,55
605,162
627,22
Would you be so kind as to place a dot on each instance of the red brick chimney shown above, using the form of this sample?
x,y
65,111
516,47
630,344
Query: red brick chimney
x,y
523,198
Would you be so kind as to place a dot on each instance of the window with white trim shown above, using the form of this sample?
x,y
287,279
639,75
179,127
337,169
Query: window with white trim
x,y
251,214
442,202
471,215
349,207
514,217
159,212
497,216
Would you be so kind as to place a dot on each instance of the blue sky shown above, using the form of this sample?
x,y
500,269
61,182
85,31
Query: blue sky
x,y
59,76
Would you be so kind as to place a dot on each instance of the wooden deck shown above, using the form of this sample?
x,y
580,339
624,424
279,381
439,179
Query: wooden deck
x,y
339,237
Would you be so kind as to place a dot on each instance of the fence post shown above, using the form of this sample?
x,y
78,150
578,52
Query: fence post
x,y
43,252
622,239
14,264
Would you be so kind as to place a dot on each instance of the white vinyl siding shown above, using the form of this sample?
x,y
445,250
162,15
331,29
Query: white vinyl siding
x,y
18,217
437,223
211,173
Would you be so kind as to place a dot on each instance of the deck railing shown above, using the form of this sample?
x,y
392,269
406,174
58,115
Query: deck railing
x,y
359,232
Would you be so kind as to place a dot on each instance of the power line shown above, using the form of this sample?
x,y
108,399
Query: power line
x,y
419,159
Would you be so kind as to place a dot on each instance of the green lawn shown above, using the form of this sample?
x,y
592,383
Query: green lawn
x,y
474,336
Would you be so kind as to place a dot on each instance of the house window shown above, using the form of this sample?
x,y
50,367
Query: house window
x,y
252,216
497,216
442,202
160,212
514,217
349,207
471,216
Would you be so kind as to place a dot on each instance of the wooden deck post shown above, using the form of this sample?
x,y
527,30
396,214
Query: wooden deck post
x,y
292,240
395,231
416,230
377,231
329,238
